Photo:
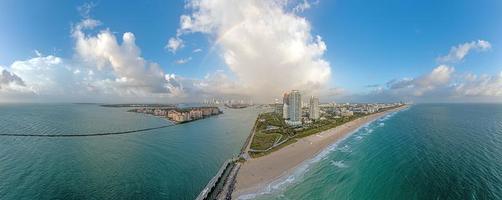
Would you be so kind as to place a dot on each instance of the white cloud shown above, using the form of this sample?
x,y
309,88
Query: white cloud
x,y
438,77
9,80
43,74
457,53
304,5
267,48
102,69
484,85
183,61
85,9
196,50
122,61
174,44
87,24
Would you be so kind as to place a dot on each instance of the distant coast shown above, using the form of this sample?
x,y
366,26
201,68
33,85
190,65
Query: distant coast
x,y
179,115
139,105
171,112
256,173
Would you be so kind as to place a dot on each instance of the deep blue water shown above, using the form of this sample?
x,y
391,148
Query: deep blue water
x,y
170,163
430,151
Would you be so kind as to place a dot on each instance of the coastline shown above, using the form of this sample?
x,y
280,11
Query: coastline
x,y
258,173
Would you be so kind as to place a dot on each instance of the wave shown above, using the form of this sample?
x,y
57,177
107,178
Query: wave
x,y
339,164
284,181
345,149
281,183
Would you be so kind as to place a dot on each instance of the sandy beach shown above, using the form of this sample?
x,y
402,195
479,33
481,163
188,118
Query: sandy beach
x,y
257,173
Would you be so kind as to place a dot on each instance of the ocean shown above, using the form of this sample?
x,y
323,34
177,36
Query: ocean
x,y
170,163
428,151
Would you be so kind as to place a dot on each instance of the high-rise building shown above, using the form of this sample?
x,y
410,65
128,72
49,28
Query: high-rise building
x,y
314,108
295,107
285,104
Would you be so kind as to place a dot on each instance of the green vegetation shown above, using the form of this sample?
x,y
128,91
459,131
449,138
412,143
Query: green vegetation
x,y
262,141
272,133
270,130
323,125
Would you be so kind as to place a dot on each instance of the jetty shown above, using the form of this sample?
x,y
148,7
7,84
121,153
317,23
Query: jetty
x,y
222,184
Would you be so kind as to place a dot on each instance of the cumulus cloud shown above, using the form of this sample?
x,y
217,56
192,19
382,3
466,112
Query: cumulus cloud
x,y
174,44
43,74
441,84
103,68
484,85
266,47
438,77
122,60
9,79
457,53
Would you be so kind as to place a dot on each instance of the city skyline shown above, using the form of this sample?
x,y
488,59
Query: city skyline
x,y
190,51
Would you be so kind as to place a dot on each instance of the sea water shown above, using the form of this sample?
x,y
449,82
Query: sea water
x,y
428,151
169,163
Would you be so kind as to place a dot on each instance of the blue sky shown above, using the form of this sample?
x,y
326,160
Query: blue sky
x,y
367,43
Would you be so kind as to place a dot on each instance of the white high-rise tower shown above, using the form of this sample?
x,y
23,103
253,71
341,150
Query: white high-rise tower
x,y
295,106
314,108
285,106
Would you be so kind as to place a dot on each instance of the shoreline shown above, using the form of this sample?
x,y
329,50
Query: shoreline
x,y
258,173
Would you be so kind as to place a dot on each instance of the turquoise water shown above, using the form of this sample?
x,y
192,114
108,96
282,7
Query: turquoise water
x,y
430,151
170,163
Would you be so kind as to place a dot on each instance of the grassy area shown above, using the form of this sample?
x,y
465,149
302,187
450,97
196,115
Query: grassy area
x,y
324,125
270,127
259,154
262,141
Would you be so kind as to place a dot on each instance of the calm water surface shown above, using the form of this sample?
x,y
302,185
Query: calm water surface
x,y
170,163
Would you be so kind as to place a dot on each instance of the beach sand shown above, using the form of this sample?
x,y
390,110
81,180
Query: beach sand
x,y
257,173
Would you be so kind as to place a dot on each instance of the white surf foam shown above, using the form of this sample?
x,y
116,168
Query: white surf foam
x,y
297,173
339,164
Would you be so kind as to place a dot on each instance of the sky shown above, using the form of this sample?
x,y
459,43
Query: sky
x,y
192,50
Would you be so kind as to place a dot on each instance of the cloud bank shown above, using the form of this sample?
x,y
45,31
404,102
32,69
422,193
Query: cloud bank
x,y
103,68
442,83
268,48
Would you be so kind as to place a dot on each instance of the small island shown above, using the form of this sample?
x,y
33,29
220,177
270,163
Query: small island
x,y
179,115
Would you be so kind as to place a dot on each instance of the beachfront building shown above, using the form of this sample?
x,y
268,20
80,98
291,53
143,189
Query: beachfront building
x,y
314,108
190,114
294,108
285,105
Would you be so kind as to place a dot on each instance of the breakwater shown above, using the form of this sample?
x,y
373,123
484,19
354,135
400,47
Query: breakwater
x,y
222,184
85,134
